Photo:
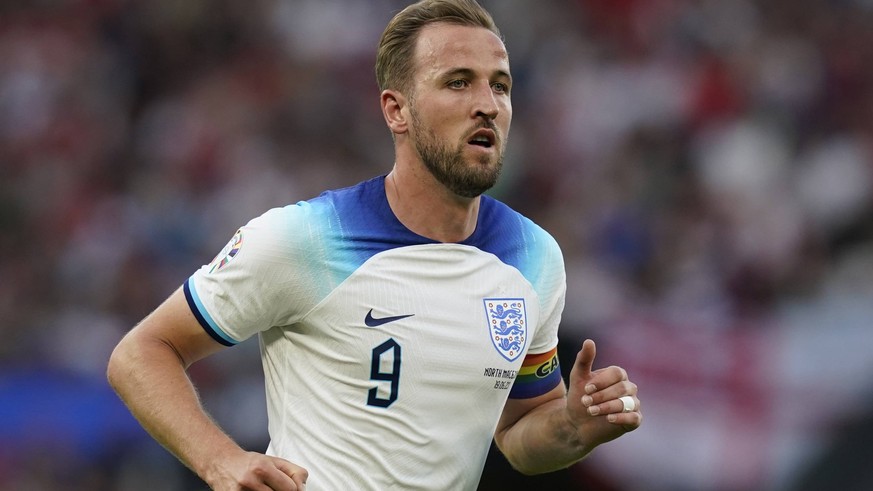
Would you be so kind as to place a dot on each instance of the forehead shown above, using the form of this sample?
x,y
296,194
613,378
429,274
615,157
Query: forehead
x,y
442,46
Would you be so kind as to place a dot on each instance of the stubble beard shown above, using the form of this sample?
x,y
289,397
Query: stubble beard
x,y
448,165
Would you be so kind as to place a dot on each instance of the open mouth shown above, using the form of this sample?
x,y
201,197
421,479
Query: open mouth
x,y
482,138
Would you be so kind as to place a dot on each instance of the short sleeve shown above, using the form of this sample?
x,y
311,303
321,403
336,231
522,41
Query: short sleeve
x,y
255,282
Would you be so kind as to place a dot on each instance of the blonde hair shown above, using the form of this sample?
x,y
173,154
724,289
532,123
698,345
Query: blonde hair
x,y
394,59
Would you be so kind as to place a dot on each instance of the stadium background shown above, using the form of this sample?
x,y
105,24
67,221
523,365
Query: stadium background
x,y
706,166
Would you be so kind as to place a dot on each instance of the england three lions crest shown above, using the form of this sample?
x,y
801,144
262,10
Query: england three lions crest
x,y
507,324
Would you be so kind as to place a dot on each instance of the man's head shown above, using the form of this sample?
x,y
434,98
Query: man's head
x,y
395,64
445,77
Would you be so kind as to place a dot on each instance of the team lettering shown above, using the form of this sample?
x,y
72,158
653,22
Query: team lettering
x,y
500,373
504,377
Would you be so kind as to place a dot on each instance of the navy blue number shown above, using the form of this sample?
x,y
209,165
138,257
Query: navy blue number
x,y
376,373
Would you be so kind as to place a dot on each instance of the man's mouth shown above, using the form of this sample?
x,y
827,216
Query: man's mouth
x,y
483,138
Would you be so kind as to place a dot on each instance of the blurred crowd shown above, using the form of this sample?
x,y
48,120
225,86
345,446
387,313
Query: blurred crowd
x,y
706,166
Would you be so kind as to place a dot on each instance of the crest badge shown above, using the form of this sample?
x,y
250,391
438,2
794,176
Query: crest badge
x,y
507,325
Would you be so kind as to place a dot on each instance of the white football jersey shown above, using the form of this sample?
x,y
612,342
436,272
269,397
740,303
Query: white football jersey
x,y
387,356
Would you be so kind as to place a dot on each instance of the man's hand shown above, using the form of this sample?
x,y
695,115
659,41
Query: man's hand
x,y
251,471
593,404
556,429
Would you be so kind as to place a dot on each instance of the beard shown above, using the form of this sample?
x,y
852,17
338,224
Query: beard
x,y
448,165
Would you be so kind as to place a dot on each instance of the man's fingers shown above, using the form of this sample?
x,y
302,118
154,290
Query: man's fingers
x,y
628,421
298,474
613,406
585,359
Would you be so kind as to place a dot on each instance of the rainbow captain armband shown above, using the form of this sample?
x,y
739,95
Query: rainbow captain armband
x,y
539,374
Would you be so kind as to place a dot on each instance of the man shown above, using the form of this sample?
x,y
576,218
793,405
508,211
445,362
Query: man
x,y
404,321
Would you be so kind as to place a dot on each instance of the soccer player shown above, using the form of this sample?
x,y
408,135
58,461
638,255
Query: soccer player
x,y
404,321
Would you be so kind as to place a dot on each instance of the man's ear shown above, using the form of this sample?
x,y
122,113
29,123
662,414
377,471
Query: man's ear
x,y
393,105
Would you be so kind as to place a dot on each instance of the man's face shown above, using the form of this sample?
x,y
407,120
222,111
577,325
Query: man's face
x,y
460,108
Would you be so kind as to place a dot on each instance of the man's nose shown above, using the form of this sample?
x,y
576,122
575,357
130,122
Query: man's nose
x,y
485,102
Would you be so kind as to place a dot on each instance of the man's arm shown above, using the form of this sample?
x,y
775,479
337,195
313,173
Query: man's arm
x,y
559,428
148,370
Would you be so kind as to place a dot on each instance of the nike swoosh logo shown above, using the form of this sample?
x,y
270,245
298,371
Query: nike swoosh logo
x,y
371,321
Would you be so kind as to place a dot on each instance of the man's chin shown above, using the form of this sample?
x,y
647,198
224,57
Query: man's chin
x,y
474,186
482,155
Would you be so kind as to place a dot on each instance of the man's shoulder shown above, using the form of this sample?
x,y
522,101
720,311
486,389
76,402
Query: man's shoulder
x,y
333,204
500,215
355,195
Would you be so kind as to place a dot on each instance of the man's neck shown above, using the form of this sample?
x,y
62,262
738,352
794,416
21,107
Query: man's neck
x,y
426,207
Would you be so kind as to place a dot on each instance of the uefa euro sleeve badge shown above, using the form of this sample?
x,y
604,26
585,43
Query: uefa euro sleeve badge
x,y
507,324
228,253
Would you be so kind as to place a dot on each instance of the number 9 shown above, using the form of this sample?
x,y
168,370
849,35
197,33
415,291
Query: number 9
x,y
376,373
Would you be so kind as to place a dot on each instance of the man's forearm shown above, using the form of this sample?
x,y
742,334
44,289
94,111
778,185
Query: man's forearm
x,y
151,379
543,440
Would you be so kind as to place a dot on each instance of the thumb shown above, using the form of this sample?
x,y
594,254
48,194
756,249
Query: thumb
x,y
585,358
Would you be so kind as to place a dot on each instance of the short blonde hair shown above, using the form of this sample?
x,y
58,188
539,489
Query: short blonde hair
x,y
394,59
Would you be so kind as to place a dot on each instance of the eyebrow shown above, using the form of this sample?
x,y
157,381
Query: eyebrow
x,y
468,73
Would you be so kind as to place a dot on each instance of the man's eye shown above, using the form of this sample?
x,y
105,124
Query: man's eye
x,y
458,84
500,87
